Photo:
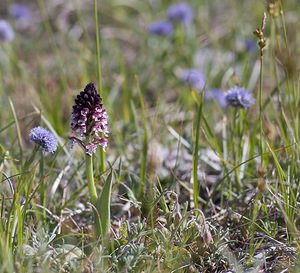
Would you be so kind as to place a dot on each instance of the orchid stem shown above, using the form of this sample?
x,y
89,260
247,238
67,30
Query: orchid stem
x,y
90,178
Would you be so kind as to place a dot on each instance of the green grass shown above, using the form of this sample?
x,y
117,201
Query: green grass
x,y
192,186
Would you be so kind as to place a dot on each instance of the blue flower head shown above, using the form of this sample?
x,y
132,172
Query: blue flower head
x,y
19,11
239,97
194,78
162,28
6,31
216,94
250,45
43,138
181,12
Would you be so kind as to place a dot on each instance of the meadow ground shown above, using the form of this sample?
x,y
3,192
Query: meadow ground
x,y
201,170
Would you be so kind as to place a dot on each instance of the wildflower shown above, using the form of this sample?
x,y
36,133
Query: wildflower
x,y
162,28
43,138
6,31
19,11
239,97
194,78
89,120
250,45
217,95
181,12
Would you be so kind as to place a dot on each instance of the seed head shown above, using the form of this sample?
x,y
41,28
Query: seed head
x,y
239,97
43,138
274,7
259,33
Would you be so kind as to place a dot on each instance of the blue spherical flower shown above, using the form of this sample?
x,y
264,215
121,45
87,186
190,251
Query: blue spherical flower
x,y
251,45
239,97
43,138
194,78
6,31
19,11
162,27
181,12
216,94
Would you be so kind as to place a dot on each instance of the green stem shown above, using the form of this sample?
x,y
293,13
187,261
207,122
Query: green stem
x,y
261,106
42,186
90,178
102,154
195,153
144,144
236,151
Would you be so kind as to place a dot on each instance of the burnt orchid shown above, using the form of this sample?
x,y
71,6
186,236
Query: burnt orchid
x,y
89,124
89,120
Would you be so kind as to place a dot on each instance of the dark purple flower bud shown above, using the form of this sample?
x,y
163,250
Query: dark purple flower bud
x,y
89,119
19,11
162,28
43,138
194,78
216,94
6,31
239,97
181,12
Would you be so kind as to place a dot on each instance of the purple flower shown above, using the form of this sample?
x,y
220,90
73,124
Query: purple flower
x,y
216,94
89,120
250,45
239,97
194,78
181,12
6,31
162,28
43,138
19,11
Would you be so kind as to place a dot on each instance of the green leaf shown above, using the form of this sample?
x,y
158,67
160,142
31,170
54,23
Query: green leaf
x,y
102,214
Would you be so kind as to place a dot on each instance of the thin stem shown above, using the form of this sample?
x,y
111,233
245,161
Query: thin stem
x,y
90,177
283,24
98,46
195,153
261,106
99,74
235,152
144,144
42,185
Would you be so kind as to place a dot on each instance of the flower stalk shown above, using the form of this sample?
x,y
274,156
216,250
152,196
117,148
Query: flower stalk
x,y
262,41
90,178
197,126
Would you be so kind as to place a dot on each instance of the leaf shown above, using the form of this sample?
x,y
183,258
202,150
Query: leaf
x,y
102,215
